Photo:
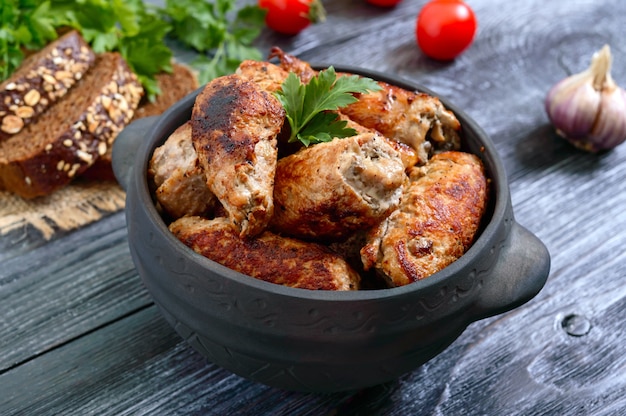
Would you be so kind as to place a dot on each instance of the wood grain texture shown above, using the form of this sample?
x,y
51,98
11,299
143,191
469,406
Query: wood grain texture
x,y
66,288
79,335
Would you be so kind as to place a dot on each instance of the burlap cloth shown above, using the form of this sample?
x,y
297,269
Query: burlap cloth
x,y
69,208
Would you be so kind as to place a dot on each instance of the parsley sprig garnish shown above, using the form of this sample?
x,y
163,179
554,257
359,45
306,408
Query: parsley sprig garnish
x,y
310,107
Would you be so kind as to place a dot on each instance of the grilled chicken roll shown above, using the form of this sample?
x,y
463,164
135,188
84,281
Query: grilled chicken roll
x,y
436,222
267,76
290,63
408,156
327,191
416,119
180,182
233,128
267,257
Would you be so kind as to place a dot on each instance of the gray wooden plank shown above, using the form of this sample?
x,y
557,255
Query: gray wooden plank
x,y
138,366
66,288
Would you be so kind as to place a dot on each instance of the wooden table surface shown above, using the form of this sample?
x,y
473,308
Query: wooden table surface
x,y
80,335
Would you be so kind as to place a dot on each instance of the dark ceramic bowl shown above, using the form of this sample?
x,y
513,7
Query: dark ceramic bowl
x,y
320,341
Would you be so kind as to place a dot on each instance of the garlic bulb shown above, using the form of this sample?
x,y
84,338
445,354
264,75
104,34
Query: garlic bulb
x,y
588,108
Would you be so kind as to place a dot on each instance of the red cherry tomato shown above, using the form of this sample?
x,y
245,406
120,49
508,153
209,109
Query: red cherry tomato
x,y
384,3
290,17
445,28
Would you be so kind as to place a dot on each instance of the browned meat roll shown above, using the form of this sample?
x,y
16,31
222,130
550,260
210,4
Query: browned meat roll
x,y
267,257
415,119
267,76
290,63
436,222
181,187
407,153
233,127
418,120
327,191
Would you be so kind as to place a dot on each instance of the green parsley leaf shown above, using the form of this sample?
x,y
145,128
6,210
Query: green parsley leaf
x,y
247,25
24,24
222,37
309,107
194,23
42,24
129,16
146,56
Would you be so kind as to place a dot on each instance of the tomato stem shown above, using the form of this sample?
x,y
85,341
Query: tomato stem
x,y
317,13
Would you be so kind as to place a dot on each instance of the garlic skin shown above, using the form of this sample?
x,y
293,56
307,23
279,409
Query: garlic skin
x,y
588,108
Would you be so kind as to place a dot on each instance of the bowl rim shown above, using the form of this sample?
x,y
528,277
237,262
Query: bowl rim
x,y
500,190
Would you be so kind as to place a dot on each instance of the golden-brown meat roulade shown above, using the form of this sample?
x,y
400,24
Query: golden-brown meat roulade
x,y
181,187
436,222
234,126
267,76
327,191
407,153
290,63
416,119
267,257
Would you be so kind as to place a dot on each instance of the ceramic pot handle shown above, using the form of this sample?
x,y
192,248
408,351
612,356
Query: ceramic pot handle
x,y
125,148
519,274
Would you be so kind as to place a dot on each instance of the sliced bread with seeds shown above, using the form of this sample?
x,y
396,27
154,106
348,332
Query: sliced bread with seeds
x,y
42,79
68,138
174,86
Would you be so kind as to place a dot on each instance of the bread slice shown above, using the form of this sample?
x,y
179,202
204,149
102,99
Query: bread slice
x,y
174,87
42,79
69,137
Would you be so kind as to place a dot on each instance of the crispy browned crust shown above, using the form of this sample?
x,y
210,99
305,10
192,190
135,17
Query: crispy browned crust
x,y
267,257
327,191
292,64
436,222
416,119
234,125
180,182
267,76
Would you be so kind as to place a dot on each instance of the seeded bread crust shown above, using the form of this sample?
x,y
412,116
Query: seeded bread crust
x,y
174,87
64,141
41,80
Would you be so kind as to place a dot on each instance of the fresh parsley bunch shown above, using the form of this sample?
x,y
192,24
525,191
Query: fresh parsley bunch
x,y
24,25
310,107
222,34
